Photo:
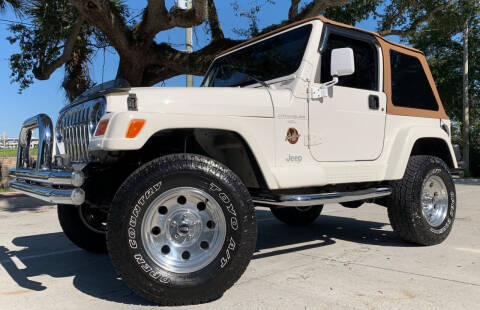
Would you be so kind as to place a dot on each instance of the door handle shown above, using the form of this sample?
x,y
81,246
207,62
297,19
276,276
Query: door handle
x,y
373,102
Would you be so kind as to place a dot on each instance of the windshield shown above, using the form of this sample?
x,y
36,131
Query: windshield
x,y
272,58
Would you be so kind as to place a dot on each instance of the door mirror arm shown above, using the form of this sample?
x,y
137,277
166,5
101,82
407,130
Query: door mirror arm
x,y
342,63
322,91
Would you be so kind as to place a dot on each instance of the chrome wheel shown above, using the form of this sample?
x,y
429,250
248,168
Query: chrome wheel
x,y
183,230
434,201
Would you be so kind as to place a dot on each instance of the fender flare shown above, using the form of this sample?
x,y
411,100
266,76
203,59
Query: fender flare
x,y
403,145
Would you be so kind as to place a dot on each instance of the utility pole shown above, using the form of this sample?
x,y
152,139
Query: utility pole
x,y
466,105
189,43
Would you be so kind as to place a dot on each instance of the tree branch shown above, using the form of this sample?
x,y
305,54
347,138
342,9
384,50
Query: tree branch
x,y
316,7
44,71
214,22
188,18
174,62
414,25
156,18
101,14
293,12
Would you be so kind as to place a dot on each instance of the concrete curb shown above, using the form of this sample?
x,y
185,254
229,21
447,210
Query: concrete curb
x,y
468,181
11,195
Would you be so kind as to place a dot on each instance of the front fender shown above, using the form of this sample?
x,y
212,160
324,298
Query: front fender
x,y
256,131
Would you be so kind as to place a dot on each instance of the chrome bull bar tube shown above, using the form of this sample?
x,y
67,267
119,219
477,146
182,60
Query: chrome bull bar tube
x,y
40,180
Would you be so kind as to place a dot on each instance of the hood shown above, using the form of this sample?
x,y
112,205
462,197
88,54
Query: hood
x,y
247,102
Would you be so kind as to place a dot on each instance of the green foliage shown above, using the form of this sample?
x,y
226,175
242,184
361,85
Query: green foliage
x,y
16,5
250,12
42,37
13,152
355,11
441,40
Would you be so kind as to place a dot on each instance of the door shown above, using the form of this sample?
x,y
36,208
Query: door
x,y
349,123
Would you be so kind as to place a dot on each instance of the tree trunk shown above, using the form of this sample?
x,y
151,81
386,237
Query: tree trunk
x,y
466,106
132,69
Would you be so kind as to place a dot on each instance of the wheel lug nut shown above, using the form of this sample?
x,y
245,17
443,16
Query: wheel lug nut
x,y
211,224
156,230
186,255
165,249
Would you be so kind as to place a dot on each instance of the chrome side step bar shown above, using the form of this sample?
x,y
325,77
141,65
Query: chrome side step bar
x,y
320,199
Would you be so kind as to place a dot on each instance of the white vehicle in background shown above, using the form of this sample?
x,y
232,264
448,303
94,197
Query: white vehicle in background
x,y
166,179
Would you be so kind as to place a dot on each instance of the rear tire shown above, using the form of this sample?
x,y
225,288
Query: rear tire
x,y
422,206
300,216
182,230
84,226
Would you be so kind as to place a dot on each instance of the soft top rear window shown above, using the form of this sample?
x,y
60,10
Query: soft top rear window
x,y
410,86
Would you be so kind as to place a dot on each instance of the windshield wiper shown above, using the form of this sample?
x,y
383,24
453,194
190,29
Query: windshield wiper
x,y
251,76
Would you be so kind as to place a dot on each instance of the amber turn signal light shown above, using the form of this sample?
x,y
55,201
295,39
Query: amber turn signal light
x,y
136,125
101,128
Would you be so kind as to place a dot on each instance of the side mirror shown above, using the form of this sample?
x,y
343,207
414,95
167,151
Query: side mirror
x,y
342,62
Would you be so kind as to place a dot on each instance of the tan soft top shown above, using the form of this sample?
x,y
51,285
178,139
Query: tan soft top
x,y
324,20
386,46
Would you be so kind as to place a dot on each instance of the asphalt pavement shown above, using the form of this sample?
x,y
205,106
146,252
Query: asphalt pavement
x,y
348,259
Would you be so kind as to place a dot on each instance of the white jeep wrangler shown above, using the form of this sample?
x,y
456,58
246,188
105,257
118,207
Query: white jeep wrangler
x,y
166,179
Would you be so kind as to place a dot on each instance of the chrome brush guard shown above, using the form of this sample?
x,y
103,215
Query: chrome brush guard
x,y
41,179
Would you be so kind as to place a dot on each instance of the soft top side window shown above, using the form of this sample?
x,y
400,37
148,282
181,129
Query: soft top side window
x,y
366,62
410,86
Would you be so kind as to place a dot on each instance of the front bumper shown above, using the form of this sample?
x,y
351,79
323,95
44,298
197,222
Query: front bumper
x,y
40,179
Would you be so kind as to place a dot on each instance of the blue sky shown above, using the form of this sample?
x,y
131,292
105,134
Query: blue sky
x,y
48,97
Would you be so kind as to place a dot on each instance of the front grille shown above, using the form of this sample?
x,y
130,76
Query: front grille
x,y
76,126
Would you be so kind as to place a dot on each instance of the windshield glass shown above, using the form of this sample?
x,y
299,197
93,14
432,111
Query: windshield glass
x,y
272,58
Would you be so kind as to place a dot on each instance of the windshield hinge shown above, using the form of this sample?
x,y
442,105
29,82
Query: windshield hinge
x,y
132,102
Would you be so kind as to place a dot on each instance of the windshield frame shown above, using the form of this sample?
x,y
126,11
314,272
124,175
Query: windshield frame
x,y
279,79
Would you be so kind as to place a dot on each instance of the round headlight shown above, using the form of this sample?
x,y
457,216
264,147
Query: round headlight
x,y
96,113
58,135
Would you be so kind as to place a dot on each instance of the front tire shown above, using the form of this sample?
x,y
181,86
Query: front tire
x,y
300,216
182,230
422,206
84,226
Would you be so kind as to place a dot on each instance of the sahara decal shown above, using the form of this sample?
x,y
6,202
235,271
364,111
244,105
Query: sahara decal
x,y
292,136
